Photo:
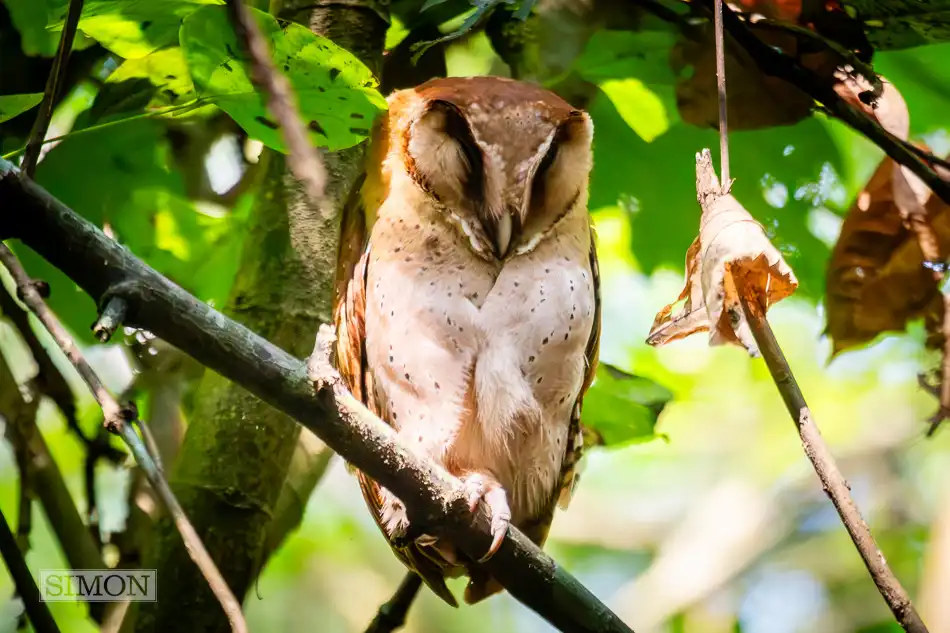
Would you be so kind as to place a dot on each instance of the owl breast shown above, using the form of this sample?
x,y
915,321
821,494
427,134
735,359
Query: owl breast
x,y
478,363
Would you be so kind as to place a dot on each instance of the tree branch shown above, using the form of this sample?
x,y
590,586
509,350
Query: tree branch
x,y
774,63
119,420
101,266
37,610
392,614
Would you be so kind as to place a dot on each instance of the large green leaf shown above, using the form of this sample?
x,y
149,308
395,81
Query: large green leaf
x,y
133,28
623,408
337,93
164,69
633,72
15,105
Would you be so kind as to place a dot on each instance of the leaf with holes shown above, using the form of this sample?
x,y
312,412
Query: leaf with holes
x,y
133,28
336,93
621,408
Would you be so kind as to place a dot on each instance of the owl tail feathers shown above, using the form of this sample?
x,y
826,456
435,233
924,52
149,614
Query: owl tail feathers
x,y
431,574
480,586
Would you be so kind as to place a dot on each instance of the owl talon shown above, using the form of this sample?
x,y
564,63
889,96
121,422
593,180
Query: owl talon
x,y
479,487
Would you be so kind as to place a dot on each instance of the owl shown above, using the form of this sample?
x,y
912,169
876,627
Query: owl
x,y
468,309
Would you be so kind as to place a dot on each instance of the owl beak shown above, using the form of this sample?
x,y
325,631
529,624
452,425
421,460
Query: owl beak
x,y
503,232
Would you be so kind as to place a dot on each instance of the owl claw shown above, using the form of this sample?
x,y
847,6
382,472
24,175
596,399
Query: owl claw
x,y
481,488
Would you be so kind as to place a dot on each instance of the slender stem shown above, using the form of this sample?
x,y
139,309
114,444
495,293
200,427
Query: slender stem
x,y
721,86
39,614
392,614
56,76
95,128
302,158
824,463
117,420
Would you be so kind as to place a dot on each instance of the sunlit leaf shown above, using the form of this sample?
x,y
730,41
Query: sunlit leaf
x,y
337,94
622,408
165,69
639,107
133,28
14,105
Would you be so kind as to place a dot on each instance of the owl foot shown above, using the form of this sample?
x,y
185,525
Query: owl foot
x,y
479,487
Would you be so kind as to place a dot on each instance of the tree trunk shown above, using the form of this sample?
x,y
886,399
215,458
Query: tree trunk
x,y
237,450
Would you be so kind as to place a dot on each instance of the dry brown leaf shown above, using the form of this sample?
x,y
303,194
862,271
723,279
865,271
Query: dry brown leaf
x,y
756,100
876,279
730,244
910,194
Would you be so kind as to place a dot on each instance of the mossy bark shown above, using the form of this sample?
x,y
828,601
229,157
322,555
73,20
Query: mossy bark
x,y
237,450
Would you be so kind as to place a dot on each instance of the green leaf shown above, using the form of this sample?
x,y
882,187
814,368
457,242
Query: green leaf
x,y
134,28
643,55
623,408
641,108
15,105
30,18
337,94
165,69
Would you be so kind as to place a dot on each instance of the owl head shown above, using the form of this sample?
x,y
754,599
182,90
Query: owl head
x,y
503,159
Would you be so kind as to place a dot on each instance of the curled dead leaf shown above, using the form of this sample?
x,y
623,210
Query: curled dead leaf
x,y
876,280
731,245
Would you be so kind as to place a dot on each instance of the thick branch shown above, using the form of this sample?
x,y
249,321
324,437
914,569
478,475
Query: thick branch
x,y
100,265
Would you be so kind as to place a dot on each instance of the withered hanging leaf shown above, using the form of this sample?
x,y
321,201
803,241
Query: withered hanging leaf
x,y
730,244
755,100
876,279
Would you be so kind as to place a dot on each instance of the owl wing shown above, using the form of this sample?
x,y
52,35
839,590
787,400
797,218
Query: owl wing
x,y
350,321
537,530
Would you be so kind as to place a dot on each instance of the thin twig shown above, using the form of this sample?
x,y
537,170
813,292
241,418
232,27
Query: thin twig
x,y
118,420
773,62
721,86
943,407
392,614
56,76
302,157
37,610
823,461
